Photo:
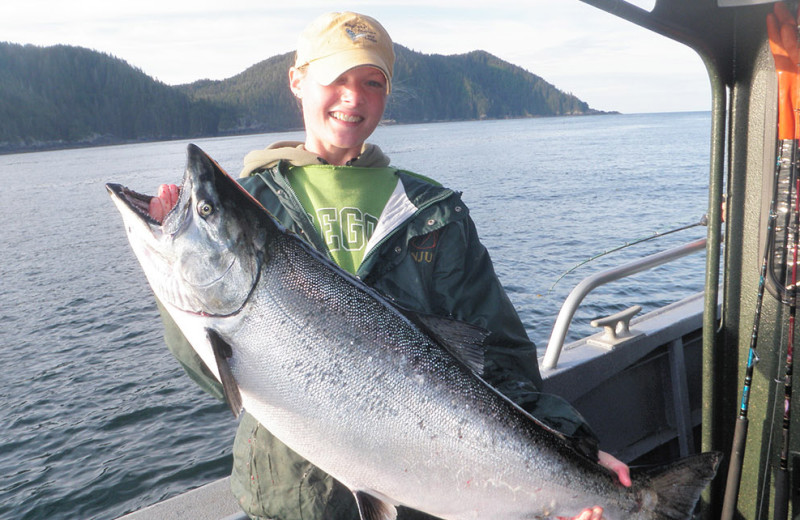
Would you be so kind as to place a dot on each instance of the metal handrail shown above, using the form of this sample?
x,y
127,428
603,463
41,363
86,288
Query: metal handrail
x,y
580,291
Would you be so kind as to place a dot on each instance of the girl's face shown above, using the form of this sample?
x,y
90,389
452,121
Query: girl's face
x,y
341,116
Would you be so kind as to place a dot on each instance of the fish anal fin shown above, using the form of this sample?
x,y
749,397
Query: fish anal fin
x,y
464,340
223,352
371,507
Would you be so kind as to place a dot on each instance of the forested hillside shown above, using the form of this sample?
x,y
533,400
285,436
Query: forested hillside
x,y
68,96
476,85
256,100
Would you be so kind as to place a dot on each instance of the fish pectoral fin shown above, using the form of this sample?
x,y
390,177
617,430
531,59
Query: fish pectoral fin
x,y
371,507
464,340
223,352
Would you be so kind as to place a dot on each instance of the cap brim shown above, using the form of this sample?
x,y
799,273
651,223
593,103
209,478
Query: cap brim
x,y
326,70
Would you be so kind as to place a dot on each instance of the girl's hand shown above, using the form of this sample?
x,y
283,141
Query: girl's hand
x,y
617,466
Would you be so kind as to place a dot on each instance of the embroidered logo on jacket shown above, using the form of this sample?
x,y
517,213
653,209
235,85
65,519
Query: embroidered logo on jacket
x,y
423,249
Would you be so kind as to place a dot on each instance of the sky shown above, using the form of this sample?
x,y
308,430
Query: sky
x,y
611,64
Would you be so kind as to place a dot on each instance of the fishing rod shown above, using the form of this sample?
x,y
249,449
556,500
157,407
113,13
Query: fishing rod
x,y
781,510
787,84
785,148
742,422
786,69
702,222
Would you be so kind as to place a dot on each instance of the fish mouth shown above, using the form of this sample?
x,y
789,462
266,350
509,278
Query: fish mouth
x,y
198,265
137,202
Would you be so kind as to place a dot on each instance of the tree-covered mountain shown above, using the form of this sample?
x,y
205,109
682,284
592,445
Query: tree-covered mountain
x,y
60,96
475,85
256,100
68,96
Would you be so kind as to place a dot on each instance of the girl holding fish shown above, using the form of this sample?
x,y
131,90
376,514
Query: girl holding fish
x,y
401,233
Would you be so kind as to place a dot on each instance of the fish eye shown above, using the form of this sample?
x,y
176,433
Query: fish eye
x,y
205,208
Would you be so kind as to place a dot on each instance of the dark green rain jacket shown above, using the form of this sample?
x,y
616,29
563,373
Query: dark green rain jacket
x,y
428,260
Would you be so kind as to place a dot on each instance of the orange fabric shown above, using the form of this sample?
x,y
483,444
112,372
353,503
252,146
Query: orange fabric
x,y
783,43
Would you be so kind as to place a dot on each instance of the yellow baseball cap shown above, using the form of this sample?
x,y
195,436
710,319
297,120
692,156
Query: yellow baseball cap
x,y
337,42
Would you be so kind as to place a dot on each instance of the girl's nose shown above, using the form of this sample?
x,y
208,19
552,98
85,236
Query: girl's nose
x,y
351,93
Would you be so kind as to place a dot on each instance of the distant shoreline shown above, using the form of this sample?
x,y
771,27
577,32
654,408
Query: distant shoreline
x,y
63,97
100,141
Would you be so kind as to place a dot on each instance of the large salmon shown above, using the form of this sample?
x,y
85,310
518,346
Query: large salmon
x,y
388,402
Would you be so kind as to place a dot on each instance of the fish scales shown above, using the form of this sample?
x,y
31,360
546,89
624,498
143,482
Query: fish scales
x,y
361,388
337,370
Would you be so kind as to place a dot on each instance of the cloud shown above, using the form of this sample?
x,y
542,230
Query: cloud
x,y
610,63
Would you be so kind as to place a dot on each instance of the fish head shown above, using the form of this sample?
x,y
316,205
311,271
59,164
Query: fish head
x,y
204,256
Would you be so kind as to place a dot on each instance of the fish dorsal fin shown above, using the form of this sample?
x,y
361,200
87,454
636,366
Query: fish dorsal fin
x,y
585,445
223,352
462,339
373,508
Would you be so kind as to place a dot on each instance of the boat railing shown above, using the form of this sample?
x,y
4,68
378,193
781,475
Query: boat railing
x,y
576,296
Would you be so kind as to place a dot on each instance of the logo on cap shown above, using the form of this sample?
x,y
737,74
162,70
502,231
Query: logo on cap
x,y
357,31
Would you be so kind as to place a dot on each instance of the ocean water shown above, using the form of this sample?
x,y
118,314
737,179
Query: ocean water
x,y
99,420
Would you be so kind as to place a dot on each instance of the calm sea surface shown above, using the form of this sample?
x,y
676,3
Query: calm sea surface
x,y
97,417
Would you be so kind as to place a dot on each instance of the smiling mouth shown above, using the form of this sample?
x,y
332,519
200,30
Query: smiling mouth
x,y
346,118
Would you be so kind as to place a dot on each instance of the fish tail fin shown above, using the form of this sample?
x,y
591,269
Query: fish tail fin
x,y
672,491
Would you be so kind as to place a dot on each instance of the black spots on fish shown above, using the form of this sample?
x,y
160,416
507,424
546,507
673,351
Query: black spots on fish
x,y
647,500
673,490
417,360
463,340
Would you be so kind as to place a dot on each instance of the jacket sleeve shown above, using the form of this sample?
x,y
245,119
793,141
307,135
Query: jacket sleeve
x,y
194,367
466,286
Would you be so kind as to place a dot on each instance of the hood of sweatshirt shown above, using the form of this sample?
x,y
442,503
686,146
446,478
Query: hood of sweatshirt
x,y
295,153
